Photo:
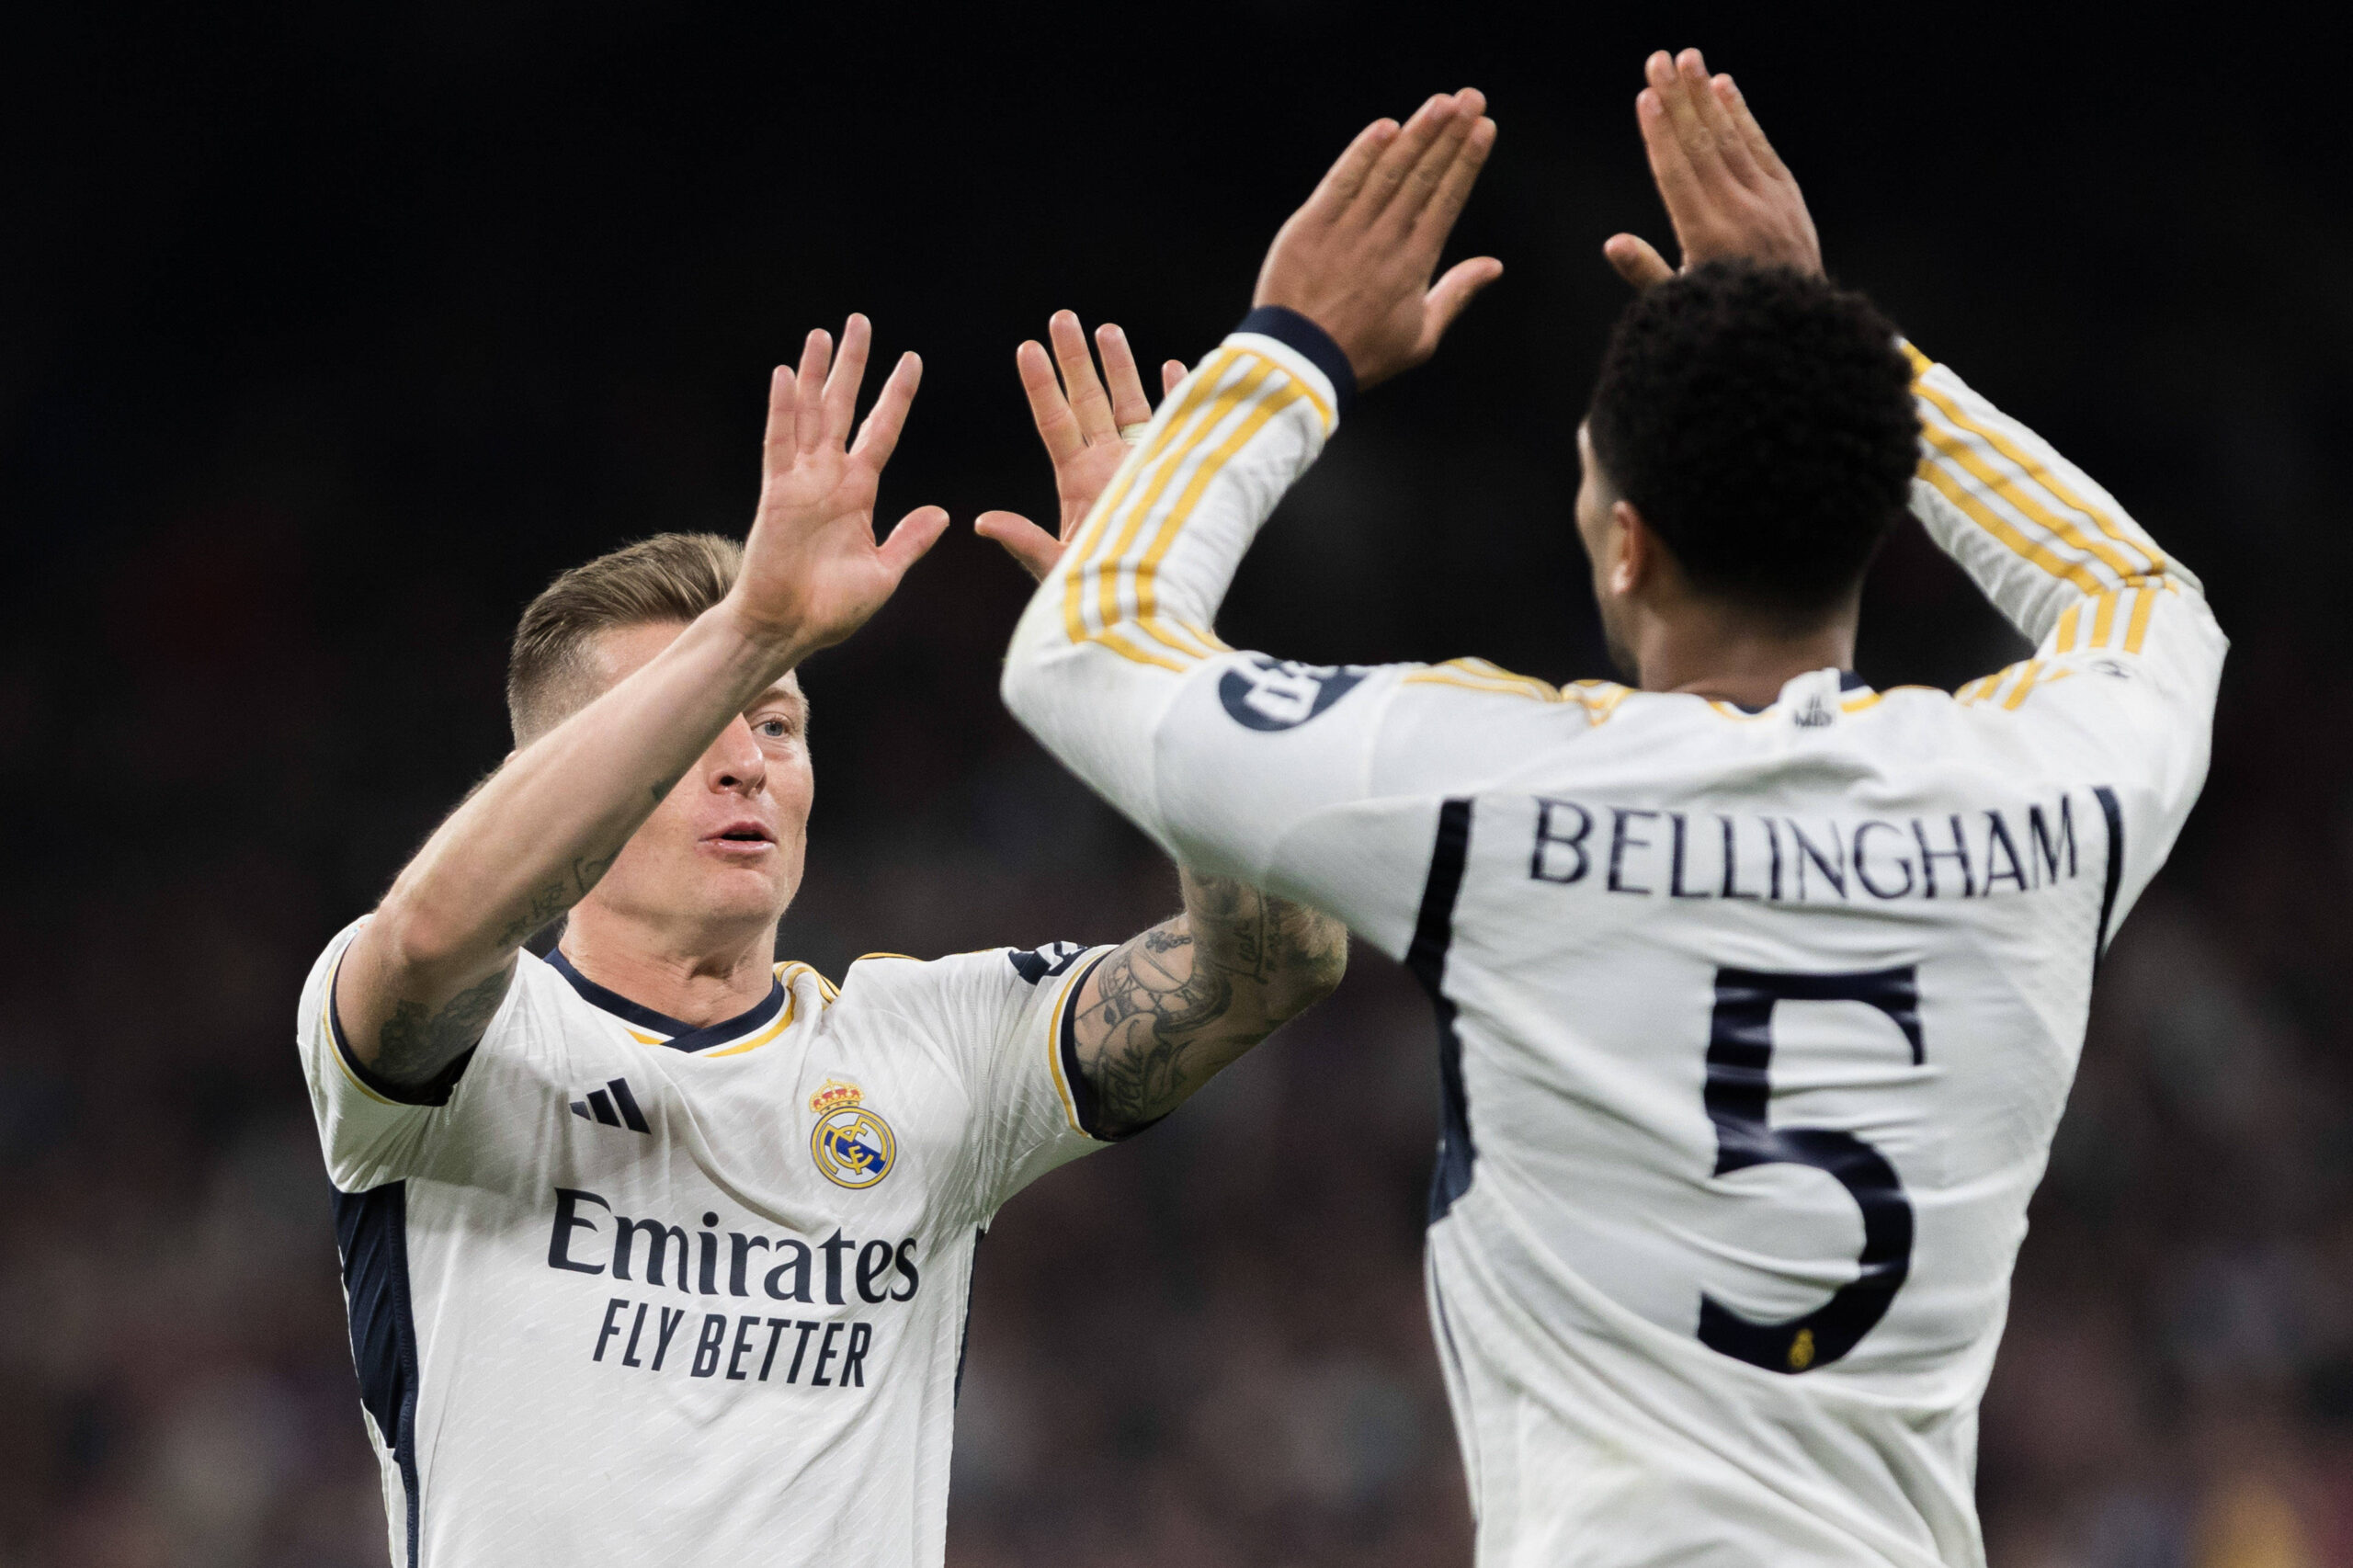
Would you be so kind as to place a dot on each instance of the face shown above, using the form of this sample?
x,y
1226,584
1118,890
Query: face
x,y
1601,526
724,849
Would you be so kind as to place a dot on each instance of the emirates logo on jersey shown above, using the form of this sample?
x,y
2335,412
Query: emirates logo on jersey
x,y
853,1146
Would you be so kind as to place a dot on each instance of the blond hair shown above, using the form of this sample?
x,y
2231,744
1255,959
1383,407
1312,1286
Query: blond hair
x,y
552,671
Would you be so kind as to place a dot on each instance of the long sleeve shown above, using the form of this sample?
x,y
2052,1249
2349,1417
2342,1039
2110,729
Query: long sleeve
x,y
1120,627
2128,657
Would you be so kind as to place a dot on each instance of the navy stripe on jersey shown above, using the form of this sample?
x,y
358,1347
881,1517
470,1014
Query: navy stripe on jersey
x,y
682,1035
964,1335
2115,815
1081,1087
371,1232
1433,934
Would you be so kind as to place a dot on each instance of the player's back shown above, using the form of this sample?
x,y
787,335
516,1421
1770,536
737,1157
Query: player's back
x,y
1756,1029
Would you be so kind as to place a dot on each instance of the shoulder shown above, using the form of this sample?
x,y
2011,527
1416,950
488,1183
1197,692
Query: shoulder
x,y
985,972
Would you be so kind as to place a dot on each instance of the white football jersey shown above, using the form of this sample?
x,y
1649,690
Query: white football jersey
x,y
634,1292
1755,1026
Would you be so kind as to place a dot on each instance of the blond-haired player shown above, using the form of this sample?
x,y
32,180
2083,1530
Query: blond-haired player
x,y
658,1251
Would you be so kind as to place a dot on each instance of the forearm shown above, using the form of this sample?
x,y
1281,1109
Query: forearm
x,y
1115,629
1174,1006
531,842
2040,538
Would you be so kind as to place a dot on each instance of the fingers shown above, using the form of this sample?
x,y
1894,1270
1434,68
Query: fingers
x,y
1451,294
879,436
808,412
1033,546
1172,376
1636,261
1452,189
849,370
1341,182
1723,137
1129,405
1751,133
1679,183
777,446
1049,409
1404,155
1691,132
916,533
1088,402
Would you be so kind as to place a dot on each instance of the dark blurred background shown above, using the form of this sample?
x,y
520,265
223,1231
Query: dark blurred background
x,y
328,333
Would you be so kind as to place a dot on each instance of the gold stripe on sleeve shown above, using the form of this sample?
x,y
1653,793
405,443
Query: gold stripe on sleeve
x,y
2038,474
1091,532
2001,529
2013,488
2140,627
2063,640
2103,619
2025,685
1104,561
1147,574
1054,1046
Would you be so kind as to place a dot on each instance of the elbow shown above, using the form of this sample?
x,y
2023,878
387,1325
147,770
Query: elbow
x,y
1022,687
1318,962
414,936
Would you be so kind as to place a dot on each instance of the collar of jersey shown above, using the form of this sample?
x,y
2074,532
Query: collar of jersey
x,y
682,1035
1847,681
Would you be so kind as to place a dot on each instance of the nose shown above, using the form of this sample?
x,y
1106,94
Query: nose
x,y
735,761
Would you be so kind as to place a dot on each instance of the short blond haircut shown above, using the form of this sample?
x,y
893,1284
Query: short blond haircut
x,y
551,672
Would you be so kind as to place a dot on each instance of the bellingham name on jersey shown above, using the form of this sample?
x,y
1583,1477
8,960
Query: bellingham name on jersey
x,y
1754,1027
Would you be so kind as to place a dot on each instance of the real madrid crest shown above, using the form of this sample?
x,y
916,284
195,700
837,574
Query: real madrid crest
x,y
853,1146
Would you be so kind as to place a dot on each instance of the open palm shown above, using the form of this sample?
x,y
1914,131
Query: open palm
x,y
1083,424
812,572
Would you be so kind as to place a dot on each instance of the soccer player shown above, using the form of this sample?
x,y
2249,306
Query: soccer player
x,y
659,1251
1759,990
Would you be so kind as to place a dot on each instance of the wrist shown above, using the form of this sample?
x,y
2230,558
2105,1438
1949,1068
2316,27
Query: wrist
x,y
772,646
1309,339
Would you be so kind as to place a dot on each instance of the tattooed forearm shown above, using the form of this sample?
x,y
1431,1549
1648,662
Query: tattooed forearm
x,y
1169,1009
556,897
418,1041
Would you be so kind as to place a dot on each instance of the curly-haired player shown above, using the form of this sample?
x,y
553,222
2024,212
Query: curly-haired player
x,y
1759,991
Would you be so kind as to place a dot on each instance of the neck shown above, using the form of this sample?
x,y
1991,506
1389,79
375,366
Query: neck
x,y
1718,653
700,978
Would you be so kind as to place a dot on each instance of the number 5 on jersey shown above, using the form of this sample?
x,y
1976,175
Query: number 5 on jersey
x,y
1740,1064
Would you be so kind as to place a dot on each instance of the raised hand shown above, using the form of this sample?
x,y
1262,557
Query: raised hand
x,y
1356,259
1727,192
1085,427
812,572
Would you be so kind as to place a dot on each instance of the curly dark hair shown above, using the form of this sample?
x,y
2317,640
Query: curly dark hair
x,y
1761,421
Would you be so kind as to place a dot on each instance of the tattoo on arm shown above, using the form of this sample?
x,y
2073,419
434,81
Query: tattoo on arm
x,y
1176,1003
557,896
418,1041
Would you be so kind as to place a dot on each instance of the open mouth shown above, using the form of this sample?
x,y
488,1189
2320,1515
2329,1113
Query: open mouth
x,y
742,838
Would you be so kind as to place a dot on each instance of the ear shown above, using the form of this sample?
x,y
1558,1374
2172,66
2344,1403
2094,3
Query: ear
x,y
1637,550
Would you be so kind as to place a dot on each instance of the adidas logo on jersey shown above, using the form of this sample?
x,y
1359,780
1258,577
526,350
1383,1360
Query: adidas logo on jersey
x,y
599,1106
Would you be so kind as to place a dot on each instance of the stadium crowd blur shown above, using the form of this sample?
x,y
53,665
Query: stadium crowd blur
x,y
326,337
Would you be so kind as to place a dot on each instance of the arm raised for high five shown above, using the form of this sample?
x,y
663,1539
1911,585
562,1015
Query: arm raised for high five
x,y
422,980
1172,1005
2127,655
1115,666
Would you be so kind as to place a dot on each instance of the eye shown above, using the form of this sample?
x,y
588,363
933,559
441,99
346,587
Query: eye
x,y
773,729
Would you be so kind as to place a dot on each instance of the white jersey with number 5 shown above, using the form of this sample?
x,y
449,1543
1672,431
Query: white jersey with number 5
x,y
1755,1026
